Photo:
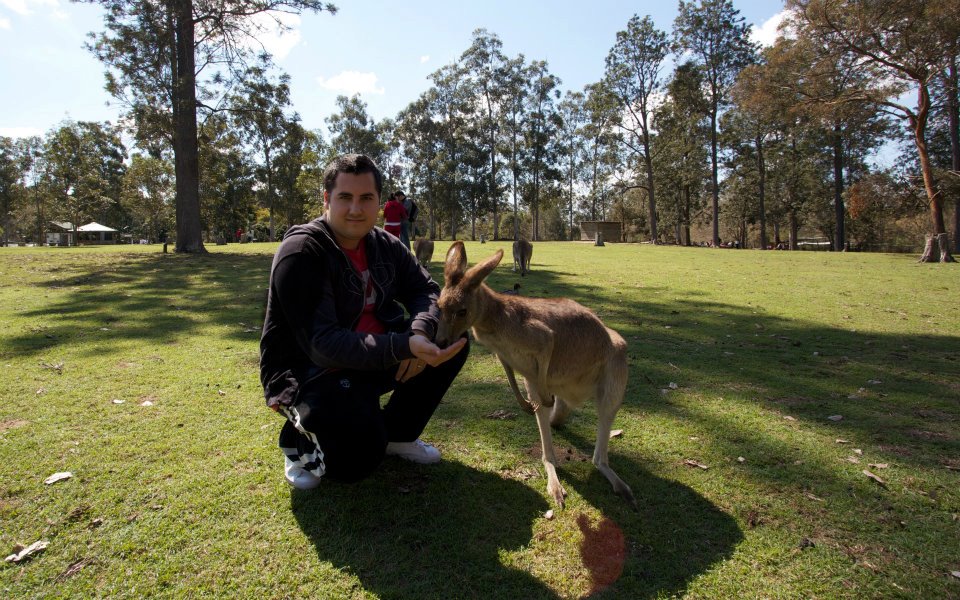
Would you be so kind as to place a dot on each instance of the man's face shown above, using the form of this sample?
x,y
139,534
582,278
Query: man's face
x,y
352,207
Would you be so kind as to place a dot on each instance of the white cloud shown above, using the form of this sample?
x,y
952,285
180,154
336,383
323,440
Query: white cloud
x,y
766,34
25,7
424,58
4,23
278,33
352,82
17,132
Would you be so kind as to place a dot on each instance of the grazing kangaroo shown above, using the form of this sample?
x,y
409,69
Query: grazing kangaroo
x,y
423,248
564,352
522,253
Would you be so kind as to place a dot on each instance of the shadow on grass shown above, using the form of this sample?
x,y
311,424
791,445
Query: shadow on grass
x,y
441,532
153,298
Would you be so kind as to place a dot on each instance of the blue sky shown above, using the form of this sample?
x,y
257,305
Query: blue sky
x,y
384,50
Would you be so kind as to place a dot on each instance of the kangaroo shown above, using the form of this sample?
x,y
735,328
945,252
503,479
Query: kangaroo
x,y
423,248
522,253
564,352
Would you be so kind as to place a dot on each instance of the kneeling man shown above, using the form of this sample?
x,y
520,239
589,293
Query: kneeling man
x,y
335,338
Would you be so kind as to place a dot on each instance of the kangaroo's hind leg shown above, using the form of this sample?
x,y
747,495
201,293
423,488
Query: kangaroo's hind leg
x,y
610,392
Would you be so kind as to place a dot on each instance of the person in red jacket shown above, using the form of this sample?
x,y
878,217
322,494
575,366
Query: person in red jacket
x,y
393,215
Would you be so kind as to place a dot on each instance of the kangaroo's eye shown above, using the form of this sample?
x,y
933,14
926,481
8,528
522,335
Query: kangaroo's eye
x,y
462,312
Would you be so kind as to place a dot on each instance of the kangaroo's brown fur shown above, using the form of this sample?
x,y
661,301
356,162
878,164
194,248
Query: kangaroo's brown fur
x,y
423,248
522,253
564,352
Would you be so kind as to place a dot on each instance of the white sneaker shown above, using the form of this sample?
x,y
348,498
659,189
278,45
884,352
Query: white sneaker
x,y
417,451
299,477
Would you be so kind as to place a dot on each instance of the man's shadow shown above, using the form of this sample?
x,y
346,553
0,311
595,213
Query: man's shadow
x,y
424,532
438,532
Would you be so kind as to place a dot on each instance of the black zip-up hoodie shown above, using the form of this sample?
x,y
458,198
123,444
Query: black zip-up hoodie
x,y
315,300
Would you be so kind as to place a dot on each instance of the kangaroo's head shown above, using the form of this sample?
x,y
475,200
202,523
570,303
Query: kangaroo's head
x,y
460,303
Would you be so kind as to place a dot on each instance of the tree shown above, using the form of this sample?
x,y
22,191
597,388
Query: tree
x,y
9,180
540,125
517,89
717,36
148,194
633,74
83,170
353,130
573,118
898,44
227,198
603,160
487,64
681,144
156,54
259,113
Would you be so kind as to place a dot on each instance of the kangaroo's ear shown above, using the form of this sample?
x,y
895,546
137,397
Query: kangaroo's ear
x,y
479,271
456,264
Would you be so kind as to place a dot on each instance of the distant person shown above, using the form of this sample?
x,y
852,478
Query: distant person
x,y
407,225
393,216
335,338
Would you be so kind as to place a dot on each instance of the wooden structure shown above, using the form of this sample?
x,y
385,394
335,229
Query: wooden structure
x,y
612,231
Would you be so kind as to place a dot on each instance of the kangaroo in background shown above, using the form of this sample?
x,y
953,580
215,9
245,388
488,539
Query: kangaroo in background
x,y
423,248
564,352
522,253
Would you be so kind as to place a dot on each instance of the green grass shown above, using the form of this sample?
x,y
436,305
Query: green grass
x,y
185,497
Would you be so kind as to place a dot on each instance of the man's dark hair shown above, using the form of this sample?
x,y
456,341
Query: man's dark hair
x,y
356,164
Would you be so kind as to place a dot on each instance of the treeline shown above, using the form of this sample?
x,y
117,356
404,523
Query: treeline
x,y
693,135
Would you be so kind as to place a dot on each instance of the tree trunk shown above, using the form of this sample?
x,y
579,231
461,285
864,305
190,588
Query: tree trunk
x,y
714,181
839,210
651,198
934,197
185,146
794,228
953,111
762,171
935,242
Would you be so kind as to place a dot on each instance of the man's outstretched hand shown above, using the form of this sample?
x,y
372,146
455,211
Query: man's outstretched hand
x,y
426,353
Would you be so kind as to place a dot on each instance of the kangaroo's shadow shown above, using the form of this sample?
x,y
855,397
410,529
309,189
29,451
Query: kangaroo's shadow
x,y
407,532
674,535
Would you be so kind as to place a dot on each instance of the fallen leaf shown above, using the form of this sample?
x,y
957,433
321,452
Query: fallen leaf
x,y
118,401
40,391
789,418
221,392
807,543
874,382
58,477
548,515
874,478
878,465
853,459
841,441
95,523
28,552
146,403
502,415
741,459
835,417
693,463
955,574
616,433
673,385
858,451
812,497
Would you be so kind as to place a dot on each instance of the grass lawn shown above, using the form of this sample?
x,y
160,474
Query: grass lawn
x,y
783,375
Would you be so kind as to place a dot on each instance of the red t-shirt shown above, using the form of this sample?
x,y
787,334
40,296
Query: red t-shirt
x,y
369,323
393,214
